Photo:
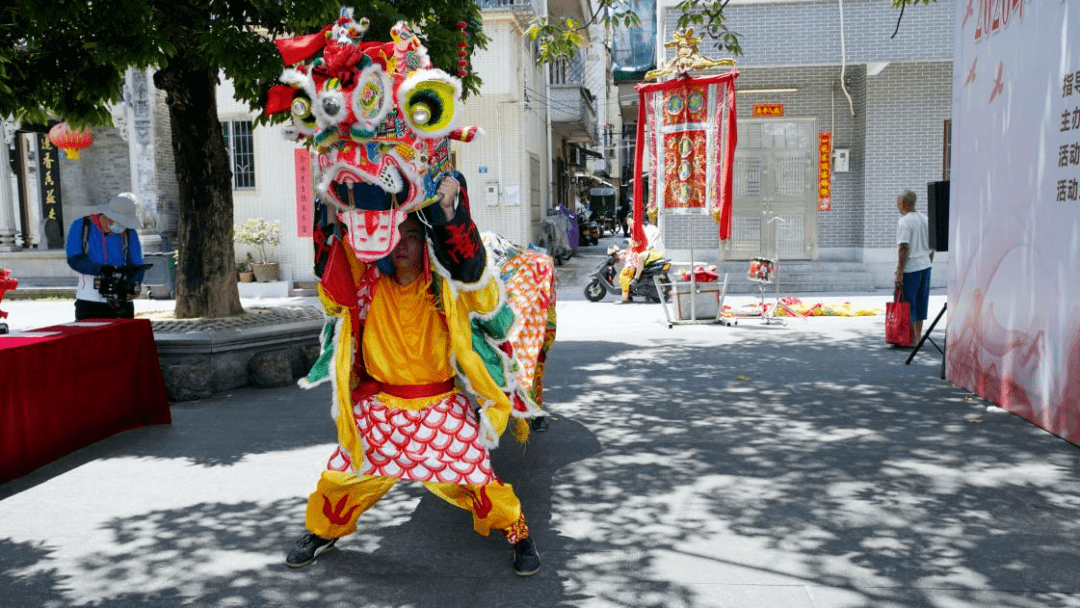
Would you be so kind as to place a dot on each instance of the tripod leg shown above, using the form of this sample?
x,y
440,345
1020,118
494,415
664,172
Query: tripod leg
x,y
944,345
927,334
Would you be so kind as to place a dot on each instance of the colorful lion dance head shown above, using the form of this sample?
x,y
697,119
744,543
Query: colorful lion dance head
x,y
380,117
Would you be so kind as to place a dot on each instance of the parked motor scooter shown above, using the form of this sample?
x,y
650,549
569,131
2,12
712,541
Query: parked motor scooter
x,y
605,278
559,234
589,228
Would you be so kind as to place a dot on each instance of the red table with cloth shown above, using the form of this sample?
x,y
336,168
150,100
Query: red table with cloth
x,y
67,386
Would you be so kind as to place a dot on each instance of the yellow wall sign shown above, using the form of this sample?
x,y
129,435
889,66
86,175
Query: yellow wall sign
x,y
768,109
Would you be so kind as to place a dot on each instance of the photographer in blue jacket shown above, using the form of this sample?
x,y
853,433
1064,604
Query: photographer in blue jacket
x,y
104,249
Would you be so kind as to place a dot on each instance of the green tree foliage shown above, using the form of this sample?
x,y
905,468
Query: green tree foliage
x,y
67,59
561,37
64,59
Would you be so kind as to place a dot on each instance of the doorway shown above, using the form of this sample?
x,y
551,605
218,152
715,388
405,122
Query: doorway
x,y
775,206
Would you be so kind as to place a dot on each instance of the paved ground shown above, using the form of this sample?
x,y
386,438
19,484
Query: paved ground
x,y
790,466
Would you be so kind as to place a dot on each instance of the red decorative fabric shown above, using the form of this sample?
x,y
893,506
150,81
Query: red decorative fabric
x,y
417,391
66,391
279,99
687,126
295,50
638,231
337,278
379,52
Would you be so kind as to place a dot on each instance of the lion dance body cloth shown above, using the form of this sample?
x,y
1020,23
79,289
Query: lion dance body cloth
x,y
425,375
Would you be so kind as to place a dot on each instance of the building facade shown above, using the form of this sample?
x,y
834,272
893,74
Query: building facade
x,y
828,66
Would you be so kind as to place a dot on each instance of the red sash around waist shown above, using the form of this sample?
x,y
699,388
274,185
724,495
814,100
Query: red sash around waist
x,y
415,391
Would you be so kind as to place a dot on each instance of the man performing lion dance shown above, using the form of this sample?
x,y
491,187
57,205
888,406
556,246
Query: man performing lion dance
x,y
419,315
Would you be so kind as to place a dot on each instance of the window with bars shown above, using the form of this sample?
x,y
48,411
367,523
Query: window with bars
x,y
568,71
241,149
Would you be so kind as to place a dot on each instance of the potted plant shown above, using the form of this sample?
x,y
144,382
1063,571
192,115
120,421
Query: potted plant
x,y
244,271
263,236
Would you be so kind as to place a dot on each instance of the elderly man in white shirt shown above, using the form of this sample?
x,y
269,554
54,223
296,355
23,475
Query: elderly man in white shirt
x,y
914,258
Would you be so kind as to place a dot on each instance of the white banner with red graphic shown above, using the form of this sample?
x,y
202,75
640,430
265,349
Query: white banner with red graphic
x,y
1014,242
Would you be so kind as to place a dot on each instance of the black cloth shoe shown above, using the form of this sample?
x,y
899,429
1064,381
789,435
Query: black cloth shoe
x,y
526,558
307,549
540,424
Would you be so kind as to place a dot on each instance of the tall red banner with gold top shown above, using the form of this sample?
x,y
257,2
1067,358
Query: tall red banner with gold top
x,y
687,127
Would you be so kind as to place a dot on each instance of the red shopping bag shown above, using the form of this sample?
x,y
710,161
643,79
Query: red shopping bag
x,y
898,321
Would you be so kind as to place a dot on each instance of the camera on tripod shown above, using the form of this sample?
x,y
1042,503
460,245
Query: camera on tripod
x,y
117,284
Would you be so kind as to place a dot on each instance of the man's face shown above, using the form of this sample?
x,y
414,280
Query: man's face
x,y
111,225
900,205
408,254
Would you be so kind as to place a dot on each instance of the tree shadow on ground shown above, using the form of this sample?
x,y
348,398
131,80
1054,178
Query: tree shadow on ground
x,y
245,421
674,474
412,548
774,460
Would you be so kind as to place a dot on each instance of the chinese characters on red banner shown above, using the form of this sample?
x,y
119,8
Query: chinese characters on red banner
x,y
768,109
824,171
1068,144
304,217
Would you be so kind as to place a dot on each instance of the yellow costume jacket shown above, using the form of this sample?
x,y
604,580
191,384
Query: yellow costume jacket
x,y
470,295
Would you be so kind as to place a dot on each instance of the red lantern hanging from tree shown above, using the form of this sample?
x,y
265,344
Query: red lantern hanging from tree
x,y
70,140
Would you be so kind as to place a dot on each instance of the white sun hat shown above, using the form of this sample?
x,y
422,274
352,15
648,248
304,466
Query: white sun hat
x,y
121,209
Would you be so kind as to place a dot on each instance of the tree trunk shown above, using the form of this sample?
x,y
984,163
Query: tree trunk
x,y
205,270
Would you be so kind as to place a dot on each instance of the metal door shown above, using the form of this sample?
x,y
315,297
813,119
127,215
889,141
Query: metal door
x,y
774,190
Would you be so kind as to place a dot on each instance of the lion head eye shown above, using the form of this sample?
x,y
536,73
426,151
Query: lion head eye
x,y
301,107
428,104
421,114
332,106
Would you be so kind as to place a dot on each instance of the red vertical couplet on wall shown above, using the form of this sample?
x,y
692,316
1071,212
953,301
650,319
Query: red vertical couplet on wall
x,y
304,218
824,201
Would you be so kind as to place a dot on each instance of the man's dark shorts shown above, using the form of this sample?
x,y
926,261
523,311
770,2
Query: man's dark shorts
x,y
917,292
